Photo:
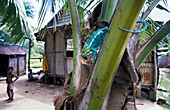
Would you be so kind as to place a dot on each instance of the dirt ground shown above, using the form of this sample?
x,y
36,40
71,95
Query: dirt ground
x,y
29,95
149,105
34,96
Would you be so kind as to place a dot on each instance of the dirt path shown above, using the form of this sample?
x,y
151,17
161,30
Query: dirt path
x,y
149,105
34,96
29,95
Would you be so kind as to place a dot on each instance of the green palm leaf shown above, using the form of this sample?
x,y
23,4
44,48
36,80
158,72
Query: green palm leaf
x,y
13,19
150,44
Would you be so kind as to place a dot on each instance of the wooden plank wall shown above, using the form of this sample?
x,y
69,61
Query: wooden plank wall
x,y
22,64
13,63
147,69
49,52
18,63
59,54
55,48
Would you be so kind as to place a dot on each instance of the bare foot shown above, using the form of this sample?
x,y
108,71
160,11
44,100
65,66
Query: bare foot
x,y
10,101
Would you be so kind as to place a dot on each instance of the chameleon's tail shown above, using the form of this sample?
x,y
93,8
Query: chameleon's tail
x,y
138,21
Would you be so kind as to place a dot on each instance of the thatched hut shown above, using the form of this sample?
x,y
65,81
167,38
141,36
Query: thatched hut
x,y
150,74
12,56
58,46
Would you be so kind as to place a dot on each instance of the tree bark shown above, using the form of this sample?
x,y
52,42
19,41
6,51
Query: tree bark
x,y
124,79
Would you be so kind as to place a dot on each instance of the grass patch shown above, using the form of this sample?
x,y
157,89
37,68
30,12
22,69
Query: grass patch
x,y
168,77
35,63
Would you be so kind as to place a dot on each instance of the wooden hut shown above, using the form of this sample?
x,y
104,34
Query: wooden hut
x,y
58,46
150,74
163,59
12,56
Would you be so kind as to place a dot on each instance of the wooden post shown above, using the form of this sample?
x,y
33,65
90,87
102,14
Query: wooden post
x,y
29,54
54,58
156,73
25,65
18,65
46,59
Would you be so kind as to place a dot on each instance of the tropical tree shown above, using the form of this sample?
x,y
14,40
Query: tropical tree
x,y
115,70
13,24
106,83
103,91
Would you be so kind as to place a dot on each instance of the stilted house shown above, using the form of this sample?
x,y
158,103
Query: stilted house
x,y
12,56
150,73
58,46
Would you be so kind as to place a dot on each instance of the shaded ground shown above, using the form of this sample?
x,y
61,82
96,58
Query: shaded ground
x,y
149,105
34,96
29,95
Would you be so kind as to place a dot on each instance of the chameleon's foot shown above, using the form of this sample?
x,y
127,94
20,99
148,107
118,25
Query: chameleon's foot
x,y
85,62
93,59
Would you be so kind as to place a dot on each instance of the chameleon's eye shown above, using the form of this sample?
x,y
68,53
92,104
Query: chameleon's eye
x,y
88,50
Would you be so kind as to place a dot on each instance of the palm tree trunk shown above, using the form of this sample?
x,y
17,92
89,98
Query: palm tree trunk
x,y
111,54
74,85
108,88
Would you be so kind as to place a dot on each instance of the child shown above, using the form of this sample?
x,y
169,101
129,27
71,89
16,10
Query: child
x,y
30,75
10,84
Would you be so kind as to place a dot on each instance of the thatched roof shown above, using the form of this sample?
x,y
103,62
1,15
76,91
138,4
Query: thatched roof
x,y
62,19
7,49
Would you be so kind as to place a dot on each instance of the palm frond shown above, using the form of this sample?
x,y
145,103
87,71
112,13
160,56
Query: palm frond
x,y
84,9
151,43
165,2
162,8
29,9
13,19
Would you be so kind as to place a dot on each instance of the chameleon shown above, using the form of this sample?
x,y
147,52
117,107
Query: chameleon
x,y
138,21
93,43
96,39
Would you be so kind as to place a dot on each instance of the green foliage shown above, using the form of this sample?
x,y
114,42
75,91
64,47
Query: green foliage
x,y
46,4
35,63
153,26
162,8
168,76
36,50
151,43
29,9
13,21
4,36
